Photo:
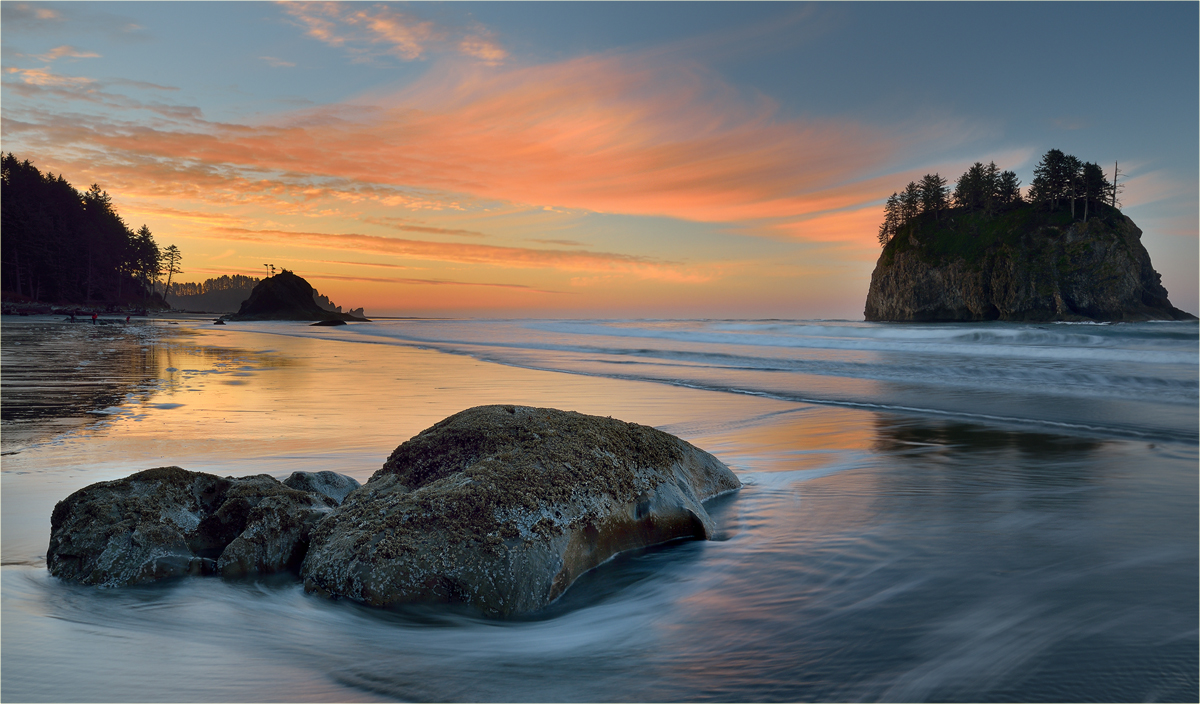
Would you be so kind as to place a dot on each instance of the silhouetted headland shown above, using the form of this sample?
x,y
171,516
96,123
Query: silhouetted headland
x,y
286,296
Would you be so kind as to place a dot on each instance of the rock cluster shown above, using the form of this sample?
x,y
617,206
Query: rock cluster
x,y
167,522
1095,270
498,507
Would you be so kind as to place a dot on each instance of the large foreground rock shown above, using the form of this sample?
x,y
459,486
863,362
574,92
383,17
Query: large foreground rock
x,y
503,507
168,522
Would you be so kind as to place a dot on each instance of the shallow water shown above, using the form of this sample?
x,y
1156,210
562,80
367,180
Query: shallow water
x,y
878,555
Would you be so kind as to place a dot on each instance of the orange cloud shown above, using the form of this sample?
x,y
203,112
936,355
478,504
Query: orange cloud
x,y
607,134
518,257
43,77
366,31
23,11
405,226
1151,187
428,282
59,52
618,134
857,226
274,62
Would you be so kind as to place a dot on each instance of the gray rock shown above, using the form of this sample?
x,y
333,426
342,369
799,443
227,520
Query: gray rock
x,y
503,507
331,484
276,535
168,522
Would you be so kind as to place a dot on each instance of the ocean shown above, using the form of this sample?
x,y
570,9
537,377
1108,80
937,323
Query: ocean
x,y
950,512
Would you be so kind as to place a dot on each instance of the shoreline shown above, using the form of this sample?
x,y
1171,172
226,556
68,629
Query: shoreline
x,y
909,558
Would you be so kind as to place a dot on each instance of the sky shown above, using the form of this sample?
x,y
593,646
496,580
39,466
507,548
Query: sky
x,y
598,160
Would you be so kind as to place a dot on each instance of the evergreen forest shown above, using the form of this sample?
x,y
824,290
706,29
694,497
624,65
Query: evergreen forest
x,y
986,191
63,246
236,282
223,294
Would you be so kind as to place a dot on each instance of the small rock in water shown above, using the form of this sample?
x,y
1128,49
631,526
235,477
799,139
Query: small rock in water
x,y
168,522
503,507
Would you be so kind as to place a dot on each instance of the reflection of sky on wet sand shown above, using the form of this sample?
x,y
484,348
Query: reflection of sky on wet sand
x,y
1026,562
231,402
869,556
62,376
302,400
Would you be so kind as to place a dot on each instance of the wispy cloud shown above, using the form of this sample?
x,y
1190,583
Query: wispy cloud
x,y
67,52
602,134
614,133
1152,187
515,257
18,13
561,243
277,63
43,84
381,265
369,31
27,18
43,77
403,225
428,282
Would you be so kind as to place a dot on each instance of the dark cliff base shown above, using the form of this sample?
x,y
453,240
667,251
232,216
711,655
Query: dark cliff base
x,y
1025,264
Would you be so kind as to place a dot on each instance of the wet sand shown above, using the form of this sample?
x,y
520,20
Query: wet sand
x,y
869,556
229,402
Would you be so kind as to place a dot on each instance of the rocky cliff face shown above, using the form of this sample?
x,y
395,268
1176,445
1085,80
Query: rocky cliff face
x,y
1023,266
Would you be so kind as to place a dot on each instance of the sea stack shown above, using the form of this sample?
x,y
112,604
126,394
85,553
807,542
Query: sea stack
x,y
286,296
1028,263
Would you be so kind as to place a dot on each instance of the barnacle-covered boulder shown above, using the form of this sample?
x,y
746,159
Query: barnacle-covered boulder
x,y
168,522
503,507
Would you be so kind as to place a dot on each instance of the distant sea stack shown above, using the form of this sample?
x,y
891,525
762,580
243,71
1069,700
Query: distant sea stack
x,y
286,296
997,256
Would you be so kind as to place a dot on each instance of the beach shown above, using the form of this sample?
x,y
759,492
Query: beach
x,y
988,512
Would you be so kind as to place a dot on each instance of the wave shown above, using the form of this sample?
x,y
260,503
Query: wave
x,y
1131,379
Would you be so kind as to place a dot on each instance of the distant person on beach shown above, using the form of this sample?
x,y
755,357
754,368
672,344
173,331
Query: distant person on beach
x,y
94,316
127,320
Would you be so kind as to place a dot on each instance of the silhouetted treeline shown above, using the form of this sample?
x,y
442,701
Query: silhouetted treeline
x,y
1062,177
1057,178
223,294
60,245
236,282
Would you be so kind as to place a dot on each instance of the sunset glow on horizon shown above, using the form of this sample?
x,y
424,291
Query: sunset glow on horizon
x,y
590,160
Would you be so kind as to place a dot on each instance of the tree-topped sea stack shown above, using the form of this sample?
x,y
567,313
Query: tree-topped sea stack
x,y
286,296
1064,252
